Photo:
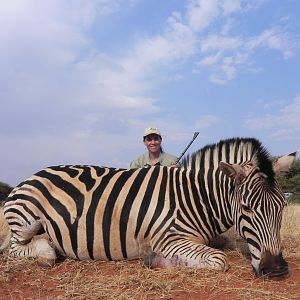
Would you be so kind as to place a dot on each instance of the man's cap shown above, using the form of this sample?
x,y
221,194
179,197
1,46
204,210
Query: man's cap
x,y
151,130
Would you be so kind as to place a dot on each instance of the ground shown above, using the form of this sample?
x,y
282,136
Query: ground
x,y
130,280
70,279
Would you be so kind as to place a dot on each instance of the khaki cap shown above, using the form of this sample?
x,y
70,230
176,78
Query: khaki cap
x,y
151,130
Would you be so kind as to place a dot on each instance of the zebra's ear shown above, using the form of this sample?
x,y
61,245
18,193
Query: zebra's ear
x,y
234,171
283,163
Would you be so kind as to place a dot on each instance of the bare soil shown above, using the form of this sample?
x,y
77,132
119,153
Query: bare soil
x,y
70,279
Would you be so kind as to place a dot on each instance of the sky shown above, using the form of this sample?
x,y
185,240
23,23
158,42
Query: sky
x,y
80,80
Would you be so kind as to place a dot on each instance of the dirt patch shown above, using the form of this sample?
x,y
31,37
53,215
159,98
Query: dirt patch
x,y
69,279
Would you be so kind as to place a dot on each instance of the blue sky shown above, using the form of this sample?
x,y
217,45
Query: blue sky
x,y
80,80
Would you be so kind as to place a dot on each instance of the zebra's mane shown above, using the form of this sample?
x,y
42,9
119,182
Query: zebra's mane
x,y
234,150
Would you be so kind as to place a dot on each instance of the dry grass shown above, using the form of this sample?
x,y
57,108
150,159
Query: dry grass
x,y
129,280
70,279
291,221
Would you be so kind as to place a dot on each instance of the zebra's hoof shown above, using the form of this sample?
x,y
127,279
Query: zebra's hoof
x,y
224,267
45,262
158,261
148,260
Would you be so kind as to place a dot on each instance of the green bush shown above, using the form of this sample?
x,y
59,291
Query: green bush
x,y
294,199
5,189
290,181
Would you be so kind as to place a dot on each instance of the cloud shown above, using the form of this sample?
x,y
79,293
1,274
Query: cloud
x,y
216,48
254,4
63,66
54,38
55,41
210,60
66,97
231,6
225,55
51,65
285,124
286,134
228,55
273,38
201,13
207,121
220,43
184,38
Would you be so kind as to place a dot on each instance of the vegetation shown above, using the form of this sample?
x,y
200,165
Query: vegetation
x,y
290,182
5,189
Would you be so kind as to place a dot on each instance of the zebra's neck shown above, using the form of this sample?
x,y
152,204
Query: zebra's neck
x,y
210,203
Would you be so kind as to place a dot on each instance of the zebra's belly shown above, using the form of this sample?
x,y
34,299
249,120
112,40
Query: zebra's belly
x,y
103,246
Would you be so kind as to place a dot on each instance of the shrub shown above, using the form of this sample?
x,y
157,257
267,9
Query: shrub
x,y
5,189
294,199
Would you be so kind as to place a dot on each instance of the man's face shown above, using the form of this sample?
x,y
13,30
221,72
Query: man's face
x,y
152,142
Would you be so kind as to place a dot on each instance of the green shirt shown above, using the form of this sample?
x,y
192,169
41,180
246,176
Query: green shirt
x,y
142,161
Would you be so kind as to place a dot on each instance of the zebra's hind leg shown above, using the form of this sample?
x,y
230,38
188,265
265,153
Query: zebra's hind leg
x,y
24,224
190,255
23,230
38,248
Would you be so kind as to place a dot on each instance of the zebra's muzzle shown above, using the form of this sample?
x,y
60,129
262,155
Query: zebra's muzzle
x,y
272,266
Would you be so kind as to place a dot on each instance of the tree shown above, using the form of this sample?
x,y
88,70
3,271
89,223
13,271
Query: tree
x,y
290,182
5,189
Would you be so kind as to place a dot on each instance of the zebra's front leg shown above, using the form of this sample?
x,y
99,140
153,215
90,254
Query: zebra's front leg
x,y
188,254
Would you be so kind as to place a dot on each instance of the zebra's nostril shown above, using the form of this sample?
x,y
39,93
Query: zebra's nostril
x,y
273,272
272,265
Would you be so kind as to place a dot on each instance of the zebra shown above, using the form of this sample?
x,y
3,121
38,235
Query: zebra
x,y
165,215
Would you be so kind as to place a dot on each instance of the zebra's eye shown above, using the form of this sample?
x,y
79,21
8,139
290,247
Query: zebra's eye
x,y
246,208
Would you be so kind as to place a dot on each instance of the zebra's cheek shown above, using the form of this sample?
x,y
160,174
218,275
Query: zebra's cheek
x,y
255,264
255,257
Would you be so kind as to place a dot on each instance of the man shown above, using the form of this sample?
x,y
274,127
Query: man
x,y
155,156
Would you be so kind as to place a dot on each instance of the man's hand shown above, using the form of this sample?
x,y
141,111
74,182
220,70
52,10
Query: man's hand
x,y
173,165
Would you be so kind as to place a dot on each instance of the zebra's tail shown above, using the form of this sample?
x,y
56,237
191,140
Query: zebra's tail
x,y
5,233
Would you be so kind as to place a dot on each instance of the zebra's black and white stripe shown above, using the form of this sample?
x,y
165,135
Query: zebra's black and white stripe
x,y
92,212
